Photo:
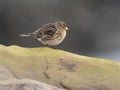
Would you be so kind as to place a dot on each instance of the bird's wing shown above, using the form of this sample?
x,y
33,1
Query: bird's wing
x,y
36,34
49,29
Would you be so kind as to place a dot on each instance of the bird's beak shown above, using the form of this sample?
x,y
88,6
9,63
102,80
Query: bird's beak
x,y
66,28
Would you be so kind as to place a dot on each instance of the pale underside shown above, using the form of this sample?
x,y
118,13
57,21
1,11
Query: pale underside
x,y
54,41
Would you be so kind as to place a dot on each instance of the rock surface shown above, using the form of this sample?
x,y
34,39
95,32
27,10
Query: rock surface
x,y
8,82
25,84
60,68
5,74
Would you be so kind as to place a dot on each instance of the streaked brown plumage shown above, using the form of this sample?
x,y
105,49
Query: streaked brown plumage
x,y
50,34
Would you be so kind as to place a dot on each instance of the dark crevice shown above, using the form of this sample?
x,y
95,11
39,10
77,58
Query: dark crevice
x,y
65,87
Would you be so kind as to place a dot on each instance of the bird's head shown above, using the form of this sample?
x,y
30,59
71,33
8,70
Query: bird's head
x,y
61,25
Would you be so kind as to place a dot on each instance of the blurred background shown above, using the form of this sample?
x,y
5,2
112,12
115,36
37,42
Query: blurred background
x,y
94,25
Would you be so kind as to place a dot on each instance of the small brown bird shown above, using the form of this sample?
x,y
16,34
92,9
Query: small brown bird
x,y
50,34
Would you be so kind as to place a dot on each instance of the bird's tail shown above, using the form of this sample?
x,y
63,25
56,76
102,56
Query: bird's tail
x,y
25,35
28,35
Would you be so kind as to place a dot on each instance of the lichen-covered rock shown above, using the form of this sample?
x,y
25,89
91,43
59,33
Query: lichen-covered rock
x,y
60,68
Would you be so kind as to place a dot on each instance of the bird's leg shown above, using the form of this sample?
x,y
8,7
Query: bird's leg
x,y
51,46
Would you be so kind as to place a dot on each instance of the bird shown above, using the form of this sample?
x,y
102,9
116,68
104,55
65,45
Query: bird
x,y
50,34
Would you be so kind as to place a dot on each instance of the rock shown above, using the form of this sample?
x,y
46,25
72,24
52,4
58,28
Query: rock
x,y
8,82
60,68
5,74
25,84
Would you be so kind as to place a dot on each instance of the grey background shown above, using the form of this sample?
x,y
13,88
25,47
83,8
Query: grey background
x,y
94,25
